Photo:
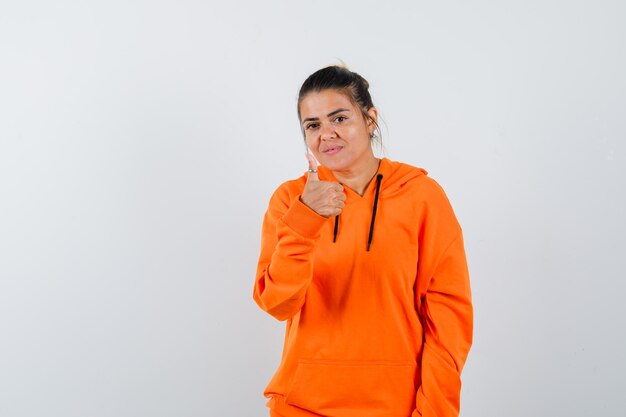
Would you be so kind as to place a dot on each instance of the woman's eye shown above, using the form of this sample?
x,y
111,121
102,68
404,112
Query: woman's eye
x,y
340,119
311,126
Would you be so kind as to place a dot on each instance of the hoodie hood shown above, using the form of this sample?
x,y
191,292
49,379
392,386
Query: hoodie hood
x,y
395,176
390,178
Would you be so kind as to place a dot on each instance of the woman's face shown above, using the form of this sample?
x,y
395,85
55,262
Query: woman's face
x,y
336,131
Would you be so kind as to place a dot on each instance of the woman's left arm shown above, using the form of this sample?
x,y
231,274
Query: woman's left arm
x,y
447,316
445,308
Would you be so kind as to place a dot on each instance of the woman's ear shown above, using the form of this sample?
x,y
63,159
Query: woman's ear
x,y
372,120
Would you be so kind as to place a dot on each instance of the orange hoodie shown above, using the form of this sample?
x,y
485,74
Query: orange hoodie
x,y
382,332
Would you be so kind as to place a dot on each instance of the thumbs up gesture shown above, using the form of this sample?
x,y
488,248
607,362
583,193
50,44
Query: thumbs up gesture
x,y
326,198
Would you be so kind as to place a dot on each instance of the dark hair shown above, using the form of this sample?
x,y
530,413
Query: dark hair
x,y
341,79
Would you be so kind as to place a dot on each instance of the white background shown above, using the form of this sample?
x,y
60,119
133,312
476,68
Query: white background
x,y
140,142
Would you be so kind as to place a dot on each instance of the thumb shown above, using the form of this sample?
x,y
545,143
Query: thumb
x,y
312,168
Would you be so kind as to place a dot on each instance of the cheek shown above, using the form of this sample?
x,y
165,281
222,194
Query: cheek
x,y
310,141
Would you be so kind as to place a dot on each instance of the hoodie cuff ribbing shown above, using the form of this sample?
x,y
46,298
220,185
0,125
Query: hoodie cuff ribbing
x,y
304,221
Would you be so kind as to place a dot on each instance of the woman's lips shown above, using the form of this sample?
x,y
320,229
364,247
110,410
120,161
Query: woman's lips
x,y
332,150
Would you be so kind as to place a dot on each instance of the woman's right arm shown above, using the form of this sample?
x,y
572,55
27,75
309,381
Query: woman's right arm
x,y
285,269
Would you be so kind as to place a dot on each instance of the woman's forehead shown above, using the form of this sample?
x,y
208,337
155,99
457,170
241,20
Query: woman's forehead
x,y
320,103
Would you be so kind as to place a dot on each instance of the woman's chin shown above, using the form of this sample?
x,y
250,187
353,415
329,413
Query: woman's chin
x,y
335,164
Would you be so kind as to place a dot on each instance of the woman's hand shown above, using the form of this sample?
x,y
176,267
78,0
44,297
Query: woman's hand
x,y
326,198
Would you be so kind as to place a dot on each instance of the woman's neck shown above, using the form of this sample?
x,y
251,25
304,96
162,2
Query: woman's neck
x,y
358,179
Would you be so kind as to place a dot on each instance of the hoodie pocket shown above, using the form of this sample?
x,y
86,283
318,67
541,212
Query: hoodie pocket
x,y
348,388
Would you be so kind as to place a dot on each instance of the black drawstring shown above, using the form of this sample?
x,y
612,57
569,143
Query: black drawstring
x,y
379,178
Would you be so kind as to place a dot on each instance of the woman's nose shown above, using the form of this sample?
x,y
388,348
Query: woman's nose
x,y
327,131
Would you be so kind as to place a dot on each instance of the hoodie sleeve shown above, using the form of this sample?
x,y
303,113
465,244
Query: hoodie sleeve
x,y
444,303
285,269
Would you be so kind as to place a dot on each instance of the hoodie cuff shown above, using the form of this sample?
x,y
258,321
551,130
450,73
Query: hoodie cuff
x,y
304,221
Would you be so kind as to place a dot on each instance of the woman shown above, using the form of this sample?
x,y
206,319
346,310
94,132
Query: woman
x,y
364,259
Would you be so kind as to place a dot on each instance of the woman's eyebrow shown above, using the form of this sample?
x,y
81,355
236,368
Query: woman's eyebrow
x,y
332,113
